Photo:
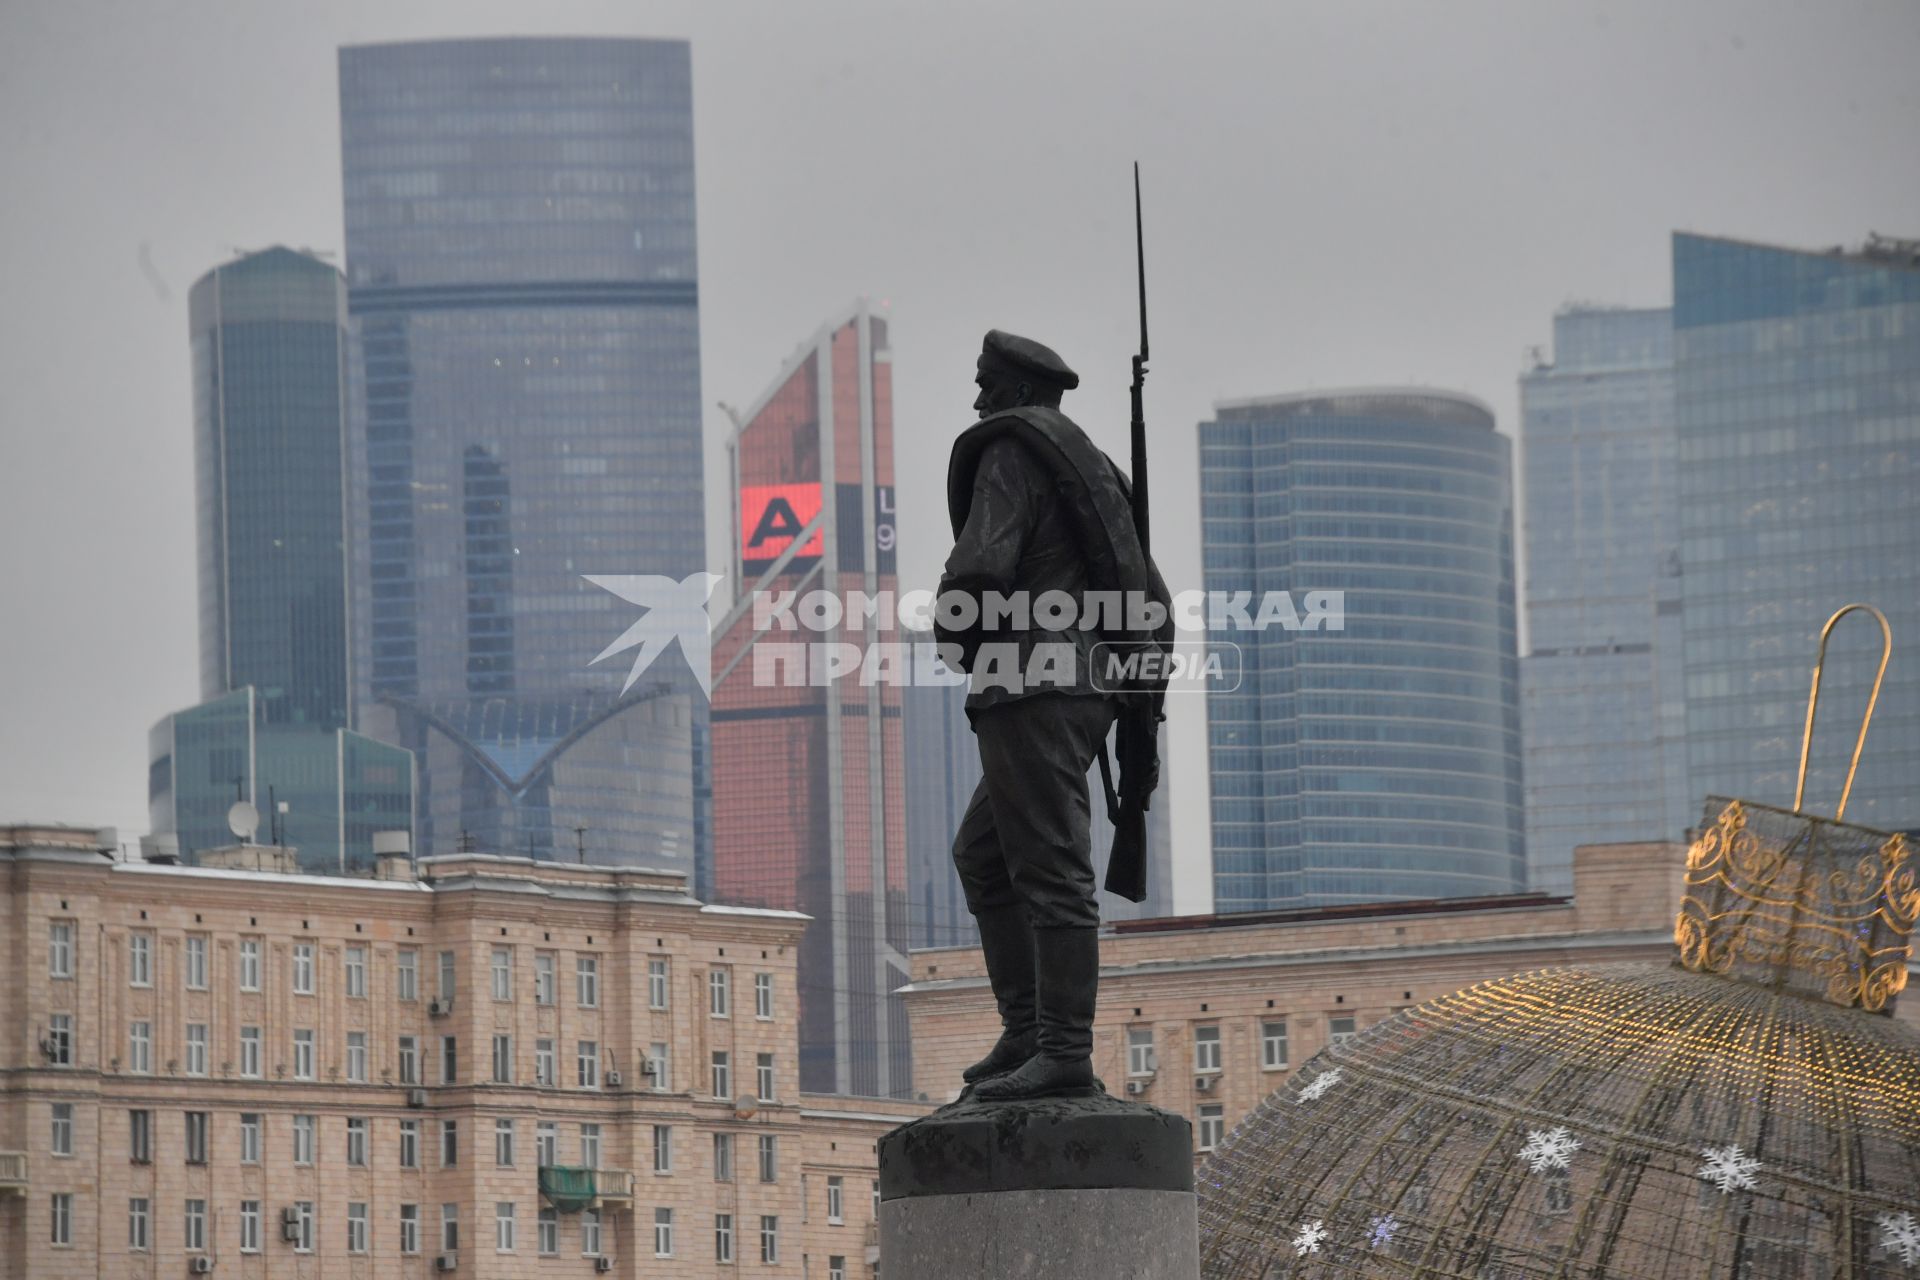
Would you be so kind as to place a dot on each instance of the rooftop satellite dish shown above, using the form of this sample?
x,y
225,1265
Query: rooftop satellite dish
x,y
243,820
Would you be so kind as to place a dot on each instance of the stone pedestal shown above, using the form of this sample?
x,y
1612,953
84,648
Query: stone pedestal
x,y
1060,1188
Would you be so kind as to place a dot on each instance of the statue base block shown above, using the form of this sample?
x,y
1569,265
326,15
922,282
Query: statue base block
x,y
1060,1188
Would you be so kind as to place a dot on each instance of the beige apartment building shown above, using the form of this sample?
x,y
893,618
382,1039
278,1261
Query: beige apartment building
x,y
1208,1015
469,1065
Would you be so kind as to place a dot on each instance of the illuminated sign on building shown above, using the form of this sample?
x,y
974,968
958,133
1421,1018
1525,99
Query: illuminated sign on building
x,y
771,517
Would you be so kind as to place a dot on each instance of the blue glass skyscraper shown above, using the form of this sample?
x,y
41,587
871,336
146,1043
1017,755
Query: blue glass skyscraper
x,y
526,395
1602,712
1379,762
1797,398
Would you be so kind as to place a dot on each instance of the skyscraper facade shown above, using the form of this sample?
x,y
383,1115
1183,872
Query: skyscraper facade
x,y
268,338
1602,711
1381,761
523,292
809,810
1797,402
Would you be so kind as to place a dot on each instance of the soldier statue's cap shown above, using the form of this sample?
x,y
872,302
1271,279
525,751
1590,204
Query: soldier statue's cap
x,y
1029,357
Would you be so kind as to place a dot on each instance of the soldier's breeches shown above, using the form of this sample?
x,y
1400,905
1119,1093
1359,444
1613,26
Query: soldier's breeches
x,y
1026,836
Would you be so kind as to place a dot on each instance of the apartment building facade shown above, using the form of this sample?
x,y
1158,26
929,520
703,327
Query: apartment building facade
x,y
473,1065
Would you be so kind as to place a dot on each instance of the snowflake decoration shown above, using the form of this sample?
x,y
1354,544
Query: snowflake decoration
x,y
1728,1168
1311,1234
1383,1228
1900,1233
1549,1148
1319,1085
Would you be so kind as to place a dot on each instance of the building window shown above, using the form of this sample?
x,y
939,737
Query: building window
x,y
445,990
503,1226
723,1157
194,1230
663,1233
250,1052
503,1059
1340,1030
659,1072
357,1056
1273,1046
718,999
836,1267
1212,1125
59,1046
406,974
303,1129
586,976
503,1142
409,1064
763,1077
303,968
409,1144
356,1140
546,1143
763,996
722,1074
590,1146
196,1049
656,982
249,1137
303,1221
195,964
1206,1048
723,1237
543,977
449,1143
196,1137
140,1136
140,1048
449,1059
140,959
590,1232
549,1225
61,1142
354,972
137,1223
663,1148
769,1158
249,1226
587,1064
249,964
502,970
356,1226
60,949
62,1227
836,1200
303,1054
769,1239
409,1228
449,1228
1140,1055
543,1063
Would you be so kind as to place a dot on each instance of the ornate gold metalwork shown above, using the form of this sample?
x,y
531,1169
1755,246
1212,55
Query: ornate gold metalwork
x,y
1813,701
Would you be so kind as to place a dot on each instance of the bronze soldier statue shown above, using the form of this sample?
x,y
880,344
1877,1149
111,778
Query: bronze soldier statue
x,y
1036,508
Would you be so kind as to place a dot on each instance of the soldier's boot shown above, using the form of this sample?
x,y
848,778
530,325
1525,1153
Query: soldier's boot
x,y
1067,964
1007,941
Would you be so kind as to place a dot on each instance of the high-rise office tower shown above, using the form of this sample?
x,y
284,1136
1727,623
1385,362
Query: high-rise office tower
x,y
268,337
1797,401
808,807
1381,761
1602,712
526,409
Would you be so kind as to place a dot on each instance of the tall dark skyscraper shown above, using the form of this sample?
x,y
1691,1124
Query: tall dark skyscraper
x,y
268,338
1603,713
1797,399
1382,761
525,368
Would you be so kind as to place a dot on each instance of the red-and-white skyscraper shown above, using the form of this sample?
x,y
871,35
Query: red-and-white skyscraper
x,y
808,779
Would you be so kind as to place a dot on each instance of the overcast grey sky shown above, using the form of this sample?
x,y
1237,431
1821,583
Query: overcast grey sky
x,y
1337,193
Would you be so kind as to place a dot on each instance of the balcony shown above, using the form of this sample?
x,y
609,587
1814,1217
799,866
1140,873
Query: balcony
x,y
570,1189
13,1173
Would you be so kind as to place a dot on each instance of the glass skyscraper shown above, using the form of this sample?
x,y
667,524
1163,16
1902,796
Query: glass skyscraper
x,y
1602,710
1379,762
268,342
525,372
1797,399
